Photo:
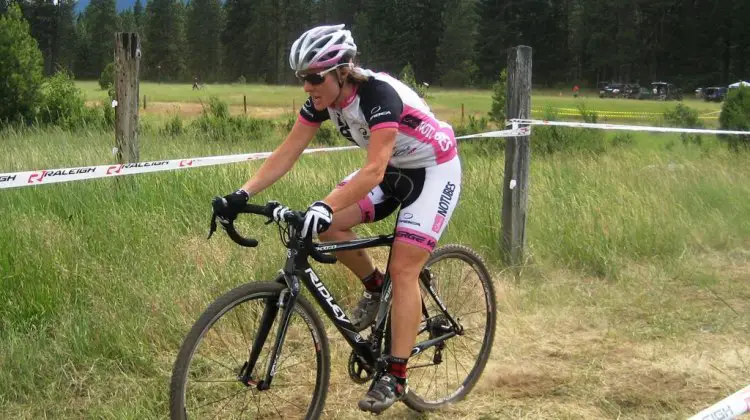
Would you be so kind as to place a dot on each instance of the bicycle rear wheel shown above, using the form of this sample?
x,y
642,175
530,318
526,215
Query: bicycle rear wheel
x,y
205,379
445,373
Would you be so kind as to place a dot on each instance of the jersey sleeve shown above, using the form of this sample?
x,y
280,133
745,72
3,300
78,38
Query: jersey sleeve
x,y
381,105
311,116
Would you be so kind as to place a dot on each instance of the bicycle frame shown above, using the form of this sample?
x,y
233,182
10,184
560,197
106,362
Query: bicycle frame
x,y
297,270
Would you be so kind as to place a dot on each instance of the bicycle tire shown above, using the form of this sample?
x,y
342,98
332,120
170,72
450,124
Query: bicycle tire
x,y
223,306
418,402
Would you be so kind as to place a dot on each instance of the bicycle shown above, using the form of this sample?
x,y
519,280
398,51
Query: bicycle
x,y
285,371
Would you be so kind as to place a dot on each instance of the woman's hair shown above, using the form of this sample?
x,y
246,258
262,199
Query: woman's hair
x,y
356,76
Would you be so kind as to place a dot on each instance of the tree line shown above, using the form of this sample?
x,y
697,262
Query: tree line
x,y
453,43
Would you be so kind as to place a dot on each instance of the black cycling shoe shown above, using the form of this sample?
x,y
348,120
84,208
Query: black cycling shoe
x,y
384,392
366,311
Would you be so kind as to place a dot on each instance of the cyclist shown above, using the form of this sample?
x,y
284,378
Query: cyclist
x,y
412,162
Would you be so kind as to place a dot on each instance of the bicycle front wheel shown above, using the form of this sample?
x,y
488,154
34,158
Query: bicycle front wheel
x,y
447,372
206,376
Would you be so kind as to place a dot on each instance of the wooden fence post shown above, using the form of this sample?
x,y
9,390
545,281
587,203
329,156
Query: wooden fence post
x,y
127,65
144,101
517,155
244,103
462,115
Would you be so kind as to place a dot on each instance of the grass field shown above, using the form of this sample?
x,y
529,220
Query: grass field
x,y
633,303
272,101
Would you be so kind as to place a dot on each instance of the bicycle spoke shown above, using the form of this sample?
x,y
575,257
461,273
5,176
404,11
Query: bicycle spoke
x,y
470,338
225,404
233,370
453,352
222,399
276,408
219,381
468,350
470,313
228,349
244,407
284,399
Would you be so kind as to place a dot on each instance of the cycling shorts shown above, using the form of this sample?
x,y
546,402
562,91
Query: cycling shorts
x,y
427,197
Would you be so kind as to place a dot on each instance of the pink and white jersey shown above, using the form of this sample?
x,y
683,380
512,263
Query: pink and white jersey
x,y
385,102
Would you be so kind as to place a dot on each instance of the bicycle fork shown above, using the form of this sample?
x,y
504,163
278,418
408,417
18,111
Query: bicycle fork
x,y
285,302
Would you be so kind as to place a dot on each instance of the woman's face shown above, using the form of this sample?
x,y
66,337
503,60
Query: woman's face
x,y
323,94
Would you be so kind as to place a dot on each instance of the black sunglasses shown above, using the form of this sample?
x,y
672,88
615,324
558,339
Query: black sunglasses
x,y
317,78
312,78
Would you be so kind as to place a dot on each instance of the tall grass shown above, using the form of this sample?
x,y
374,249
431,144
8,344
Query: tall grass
x,y
100,280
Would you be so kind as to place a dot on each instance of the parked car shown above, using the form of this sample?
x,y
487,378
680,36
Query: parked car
x,y
665,91
612,90
631,91
645,93
714,94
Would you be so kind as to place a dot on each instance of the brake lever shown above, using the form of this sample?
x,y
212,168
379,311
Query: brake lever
x,y
212,229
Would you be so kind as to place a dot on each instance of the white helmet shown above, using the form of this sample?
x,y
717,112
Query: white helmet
x,y
322,47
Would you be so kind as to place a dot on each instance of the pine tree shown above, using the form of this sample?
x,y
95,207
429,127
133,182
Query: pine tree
x,y
20,67
204,27
51,25
164,46
455,53
100,24
238,40
492,41
138,15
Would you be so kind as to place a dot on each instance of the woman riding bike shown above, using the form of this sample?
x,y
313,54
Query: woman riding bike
x,y
412,162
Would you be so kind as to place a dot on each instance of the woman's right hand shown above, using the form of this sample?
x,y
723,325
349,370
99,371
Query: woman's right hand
x,y
229,206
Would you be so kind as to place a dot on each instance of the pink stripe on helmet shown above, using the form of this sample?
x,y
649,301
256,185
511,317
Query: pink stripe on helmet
x,y
331,62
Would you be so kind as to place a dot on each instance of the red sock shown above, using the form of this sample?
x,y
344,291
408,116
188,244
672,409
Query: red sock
x,y
397,367
374,282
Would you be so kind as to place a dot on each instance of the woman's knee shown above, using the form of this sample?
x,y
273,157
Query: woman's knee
x,y
406,262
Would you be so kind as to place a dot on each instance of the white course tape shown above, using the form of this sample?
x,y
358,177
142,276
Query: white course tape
x,y
514,132
50,176
629,127
728,408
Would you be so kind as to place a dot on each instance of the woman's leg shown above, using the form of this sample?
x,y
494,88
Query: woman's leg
x,y
406,263
341,230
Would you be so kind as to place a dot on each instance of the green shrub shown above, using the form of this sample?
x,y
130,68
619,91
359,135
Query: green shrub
x,y
590,117
174,126
327,135
499,90
216,123
107,78
623,139
407,77
735,115
685,117
20,68
480,146
546,140
241,80
63,102
473,126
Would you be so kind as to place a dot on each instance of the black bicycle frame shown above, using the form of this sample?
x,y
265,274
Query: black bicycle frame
x,y
297,270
